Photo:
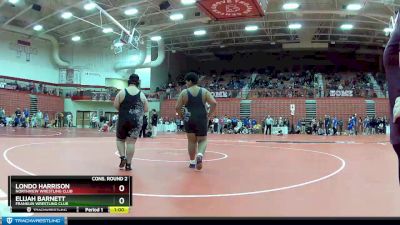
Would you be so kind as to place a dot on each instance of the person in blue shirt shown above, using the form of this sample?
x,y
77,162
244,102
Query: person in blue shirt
x,y
350,126
253,122
46,120
334,125
26,112
246,122
234,122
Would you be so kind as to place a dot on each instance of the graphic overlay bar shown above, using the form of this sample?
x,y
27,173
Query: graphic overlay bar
x,y
33,220
77,194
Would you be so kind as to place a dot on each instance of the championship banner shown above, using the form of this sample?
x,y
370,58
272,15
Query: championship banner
x,y
341,93
219,94
231,9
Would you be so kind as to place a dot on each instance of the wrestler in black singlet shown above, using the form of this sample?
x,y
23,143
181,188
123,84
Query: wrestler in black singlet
x,y
130,117
196,114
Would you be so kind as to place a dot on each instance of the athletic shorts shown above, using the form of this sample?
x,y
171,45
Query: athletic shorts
x,y
126,129
199,128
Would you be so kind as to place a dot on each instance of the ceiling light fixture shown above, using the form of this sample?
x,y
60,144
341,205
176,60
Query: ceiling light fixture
x,y
346,26
295,26
38,27
200,32
188,2
13,1
291,6
353,7
107,30
66,15
131,11
251,28
176,16
89,6
76,38
156,38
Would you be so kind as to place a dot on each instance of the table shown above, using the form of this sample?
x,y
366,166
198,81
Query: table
x,y
275,130
167,127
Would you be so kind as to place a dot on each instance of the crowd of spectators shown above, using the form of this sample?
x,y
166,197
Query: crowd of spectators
x,y
356,82
284,84
279,84
353,125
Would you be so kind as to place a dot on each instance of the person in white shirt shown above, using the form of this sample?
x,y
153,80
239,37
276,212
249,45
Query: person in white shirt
x,y
69,120
39,118
268,125
238,127
94,121
216,123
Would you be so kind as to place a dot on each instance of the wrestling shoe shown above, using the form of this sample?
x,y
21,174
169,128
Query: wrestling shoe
x,y
192,164
199,161
128,167
122,163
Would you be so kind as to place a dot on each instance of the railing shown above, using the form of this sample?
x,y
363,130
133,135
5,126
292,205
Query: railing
x,y
36,87
276,93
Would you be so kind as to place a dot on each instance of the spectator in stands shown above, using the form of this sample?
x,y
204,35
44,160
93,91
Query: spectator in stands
x,y
2,116
24,121
340,123
154,121
55,120
253,122
39,118
144,127
234,122
18,116
33,121
60,119
321,126
350,126
385,122
215,124
221,124
334,125
46,120
26,112
314,126
94,120
360,125
246,122
327,124
366,125
69,120
355,124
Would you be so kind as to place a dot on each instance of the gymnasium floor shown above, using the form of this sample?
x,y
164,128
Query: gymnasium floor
x,y
245,175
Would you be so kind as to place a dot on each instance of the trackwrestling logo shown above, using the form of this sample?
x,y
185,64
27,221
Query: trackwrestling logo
x,y
33,220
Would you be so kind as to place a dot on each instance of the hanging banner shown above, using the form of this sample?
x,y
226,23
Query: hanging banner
x,y
231,9
341,93
219,94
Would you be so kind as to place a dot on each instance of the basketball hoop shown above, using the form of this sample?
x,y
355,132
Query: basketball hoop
x,y
125,37
117,46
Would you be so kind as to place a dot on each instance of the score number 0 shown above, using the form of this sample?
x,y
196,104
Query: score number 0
x,y
121,200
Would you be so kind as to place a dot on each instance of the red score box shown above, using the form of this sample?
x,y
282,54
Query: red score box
x,y
231,9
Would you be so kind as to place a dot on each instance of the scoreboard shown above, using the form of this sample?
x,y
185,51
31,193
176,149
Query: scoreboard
x,y
70,194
